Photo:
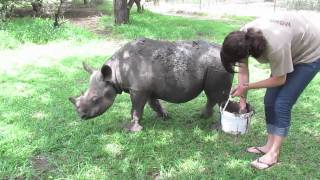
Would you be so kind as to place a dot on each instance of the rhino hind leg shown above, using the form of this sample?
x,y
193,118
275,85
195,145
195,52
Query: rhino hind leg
x,y
157,107
217,86
214,96
138,100
207,110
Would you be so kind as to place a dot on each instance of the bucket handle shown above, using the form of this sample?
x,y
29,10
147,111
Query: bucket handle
x,y
226,104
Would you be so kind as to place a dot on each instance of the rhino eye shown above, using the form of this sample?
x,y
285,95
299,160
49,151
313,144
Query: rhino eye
x,y
94,99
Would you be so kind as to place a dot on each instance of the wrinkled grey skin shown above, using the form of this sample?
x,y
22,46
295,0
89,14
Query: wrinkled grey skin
x,y
150,70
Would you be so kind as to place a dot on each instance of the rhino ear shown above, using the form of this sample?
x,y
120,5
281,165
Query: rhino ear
x,y
72,100
106,72
87,68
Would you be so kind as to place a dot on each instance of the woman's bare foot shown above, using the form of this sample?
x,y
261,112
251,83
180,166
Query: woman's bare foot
x,y
258,150
266,161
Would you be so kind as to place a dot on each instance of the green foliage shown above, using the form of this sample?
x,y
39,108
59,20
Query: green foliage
x,y
302,4
156,26
39,31
7,41
106,7
6,7
47,8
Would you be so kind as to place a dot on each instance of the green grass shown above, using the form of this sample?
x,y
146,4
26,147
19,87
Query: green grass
x,y
105,7
37,121
154,26
39,31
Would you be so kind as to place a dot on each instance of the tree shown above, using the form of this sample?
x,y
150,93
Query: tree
x,y
121,13
6,9
37,7
58,13
139,7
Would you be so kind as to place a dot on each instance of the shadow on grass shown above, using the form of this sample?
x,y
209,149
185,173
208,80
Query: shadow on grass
x,y
40,121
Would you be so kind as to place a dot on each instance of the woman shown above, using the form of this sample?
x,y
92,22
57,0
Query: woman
x,y
290,44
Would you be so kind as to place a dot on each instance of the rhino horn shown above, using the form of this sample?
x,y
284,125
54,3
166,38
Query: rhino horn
x,y
72,100
87,68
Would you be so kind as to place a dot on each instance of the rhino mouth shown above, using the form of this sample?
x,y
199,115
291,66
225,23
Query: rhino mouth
x,y
85,116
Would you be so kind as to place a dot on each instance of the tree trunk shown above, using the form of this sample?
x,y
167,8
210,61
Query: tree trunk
x,y
58,14
131,2
37,7
85,2
156,2
121,13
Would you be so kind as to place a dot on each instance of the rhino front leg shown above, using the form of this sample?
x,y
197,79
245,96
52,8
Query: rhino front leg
x,y
138,100
156,106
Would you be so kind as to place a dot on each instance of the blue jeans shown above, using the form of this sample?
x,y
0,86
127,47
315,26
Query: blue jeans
x,y
278,101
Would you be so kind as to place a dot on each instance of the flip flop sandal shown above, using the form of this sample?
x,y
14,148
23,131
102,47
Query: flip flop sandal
x,y
257,149
265,165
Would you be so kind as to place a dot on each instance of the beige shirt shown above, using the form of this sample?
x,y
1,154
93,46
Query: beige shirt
x,y
292,38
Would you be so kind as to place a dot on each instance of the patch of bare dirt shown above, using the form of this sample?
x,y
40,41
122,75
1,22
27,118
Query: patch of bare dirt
x,y
45,55
23,12
87,17
154,175
81,15
40,164
186,13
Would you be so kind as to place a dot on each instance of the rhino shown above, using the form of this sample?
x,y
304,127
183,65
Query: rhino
x,y
152,70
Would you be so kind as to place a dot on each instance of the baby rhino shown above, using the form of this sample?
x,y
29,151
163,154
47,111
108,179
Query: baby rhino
x,y
150,70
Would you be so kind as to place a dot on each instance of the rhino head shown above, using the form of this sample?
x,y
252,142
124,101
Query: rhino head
x,y
99,96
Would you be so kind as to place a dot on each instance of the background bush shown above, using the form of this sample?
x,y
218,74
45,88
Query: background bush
x,y
302,4
39,31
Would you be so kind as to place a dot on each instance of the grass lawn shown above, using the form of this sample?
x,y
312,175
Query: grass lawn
x,y
42,137
38,31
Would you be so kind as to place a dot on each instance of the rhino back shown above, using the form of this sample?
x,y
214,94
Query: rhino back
x,y
173,71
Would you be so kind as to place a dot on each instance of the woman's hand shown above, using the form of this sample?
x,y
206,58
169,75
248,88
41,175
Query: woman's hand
x,y
240,90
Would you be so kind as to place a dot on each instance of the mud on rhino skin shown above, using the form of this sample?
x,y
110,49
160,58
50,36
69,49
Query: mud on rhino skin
x,y
150,70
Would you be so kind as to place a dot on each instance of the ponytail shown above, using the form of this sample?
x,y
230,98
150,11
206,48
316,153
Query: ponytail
x,y
257,42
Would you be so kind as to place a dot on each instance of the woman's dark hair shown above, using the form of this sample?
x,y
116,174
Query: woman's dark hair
x,y
239,45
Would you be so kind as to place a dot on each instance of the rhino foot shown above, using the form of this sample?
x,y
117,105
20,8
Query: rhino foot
x,y
216,126
206,113
163,115
133,127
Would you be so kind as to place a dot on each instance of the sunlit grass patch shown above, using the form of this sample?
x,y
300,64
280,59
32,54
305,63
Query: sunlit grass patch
x,y
7,41
157,26
38,31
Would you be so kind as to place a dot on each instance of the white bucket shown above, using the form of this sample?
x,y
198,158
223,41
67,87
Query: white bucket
x,y
233,122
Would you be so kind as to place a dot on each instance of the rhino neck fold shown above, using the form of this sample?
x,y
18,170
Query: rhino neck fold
x,y
117,88
115,81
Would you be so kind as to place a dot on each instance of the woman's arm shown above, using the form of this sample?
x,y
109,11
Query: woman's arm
x,y
273,81
243,81
243,76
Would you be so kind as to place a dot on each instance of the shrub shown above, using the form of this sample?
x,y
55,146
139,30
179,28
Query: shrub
x,y
6,8
39,31
302,4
